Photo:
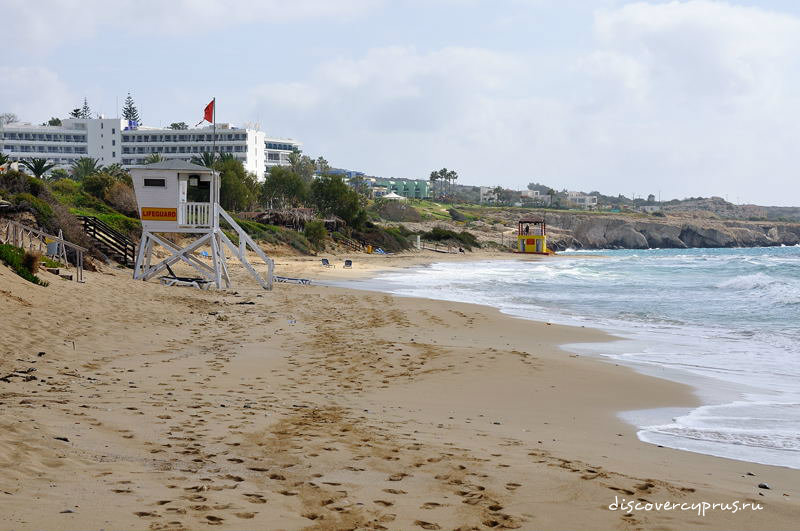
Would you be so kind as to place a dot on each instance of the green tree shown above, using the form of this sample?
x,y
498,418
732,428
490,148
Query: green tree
x,y
315,233
38,167
153,157
118,172
4,159
206,159
86,112
84,167
303,165
53,122
178,126
238,189
434,177
331,195
58,174
129,110
283,188
322,166
75,113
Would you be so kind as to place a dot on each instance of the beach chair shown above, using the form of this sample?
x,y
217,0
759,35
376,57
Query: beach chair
x,y
348,264
194,282
326,263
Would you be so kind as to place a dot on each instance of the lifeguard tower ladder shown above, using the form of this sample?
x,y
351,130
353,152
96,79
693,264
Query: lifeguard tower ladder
x,y
180,197
532,236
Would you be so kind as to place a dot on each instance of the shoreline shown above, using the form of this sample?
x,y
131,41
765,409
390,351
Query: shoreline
x,y
707,391
324,407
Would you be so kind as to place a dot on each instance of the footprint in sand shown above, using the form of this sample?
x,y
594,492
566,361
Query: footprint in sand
x,y
385,503
426,525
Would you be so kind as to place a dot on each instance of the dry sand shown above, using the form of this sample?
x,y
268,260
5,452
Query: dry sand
x,y
129,405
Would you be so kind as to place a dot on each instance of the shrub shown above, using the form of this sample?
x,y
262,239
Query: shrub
x,y
456,215
389,239
97,184
463,238
31,261
70,225
396,211
14,257
16,182
40,209
65,186
121,197
315,233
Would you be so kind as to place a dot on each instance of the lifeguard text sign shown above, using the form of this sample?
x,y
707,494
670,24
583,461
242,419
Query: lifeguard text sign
x,y
160,214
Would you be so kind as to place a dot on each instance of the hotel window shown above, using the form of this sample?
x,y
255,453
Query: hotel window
x,y
161,183
113,142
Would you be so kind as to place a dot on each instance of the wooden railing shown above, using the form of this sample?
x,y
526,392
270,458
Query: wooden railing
x,y
117,243
35,240
195,214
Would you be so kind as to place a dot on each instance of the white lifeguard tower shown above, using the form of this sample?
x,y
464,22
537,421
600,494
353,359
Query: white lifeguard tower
x,y
181,197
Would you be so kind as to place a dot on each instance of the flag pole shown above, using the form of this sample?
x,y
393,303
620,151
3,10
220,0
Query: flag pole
x,y
214,117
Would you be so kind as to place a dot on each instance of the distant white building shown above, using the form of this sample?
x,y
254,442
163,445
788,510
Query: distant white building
x,y
488,194
111,140
534,196
582,200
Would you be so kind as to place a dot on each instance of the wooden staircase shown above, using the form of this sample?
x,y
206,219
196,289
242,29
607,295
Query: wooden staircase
x,y
113,244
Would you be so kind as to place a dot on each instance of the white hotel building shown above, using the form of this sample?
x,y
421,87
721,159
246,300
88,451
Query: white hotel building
x,y
112,141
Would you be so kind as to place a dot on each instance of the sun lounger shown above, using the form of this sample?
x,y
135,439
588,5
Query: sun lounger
x,y
348,264
193,282
326,263
290,280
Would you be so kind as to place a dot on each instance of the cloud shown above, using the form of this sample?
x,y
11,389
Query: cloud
x,y
26,90
691,98
46,23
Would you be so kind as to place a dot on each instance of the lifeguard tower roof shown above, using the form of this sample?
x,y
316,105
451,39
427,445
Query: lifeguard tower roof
x,y
174,165
531,220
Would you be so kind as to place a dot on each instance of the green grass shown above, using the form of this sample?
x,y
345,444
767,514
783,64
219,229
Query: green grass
x,y
49,262
13,258
271,234
131,227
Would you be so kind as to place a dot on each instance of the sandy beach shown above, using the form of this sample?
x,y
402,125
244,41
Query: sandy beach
x,y
130,405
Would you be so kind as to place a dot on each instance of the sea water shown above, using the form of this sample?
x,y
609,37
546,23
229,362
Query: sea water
x,y
724,320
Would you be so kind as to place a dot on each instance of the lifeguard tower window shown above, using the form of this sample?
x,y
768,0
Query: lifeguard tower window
x,y
198,191
156,182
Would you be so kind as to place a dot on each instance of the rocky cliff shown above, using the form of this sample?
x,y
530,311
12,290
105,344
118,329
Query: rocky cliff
x,y
587,231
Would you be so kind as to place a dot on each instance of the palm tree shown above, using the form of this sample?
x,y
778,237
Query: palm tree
x,y
206,159
452,175
433,178
117,171
155,157
84,167
4,159
225,157
38,167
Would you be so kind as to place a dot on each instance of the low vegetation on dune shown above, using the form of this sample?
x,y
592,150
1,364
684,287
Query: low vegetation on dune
x,y
24,264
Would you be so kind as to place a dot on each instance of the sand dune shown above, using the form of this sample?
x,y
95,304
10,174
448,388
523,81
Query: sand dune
x,y
129,405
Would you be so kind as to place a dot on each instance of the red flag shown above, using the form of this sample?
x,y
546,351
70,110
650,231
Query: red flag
x,y
208,113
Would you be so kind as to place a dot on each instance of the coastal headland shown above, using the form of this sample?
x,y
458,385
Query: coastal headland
x,y
130,405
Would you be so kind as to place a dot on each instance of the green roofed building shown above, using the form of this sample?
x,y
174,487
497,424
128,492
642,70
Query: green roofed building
x,y
410,188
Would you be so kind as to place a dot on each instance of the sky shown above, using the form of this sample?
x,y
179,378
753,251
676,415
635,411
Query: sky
x,y
672,98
